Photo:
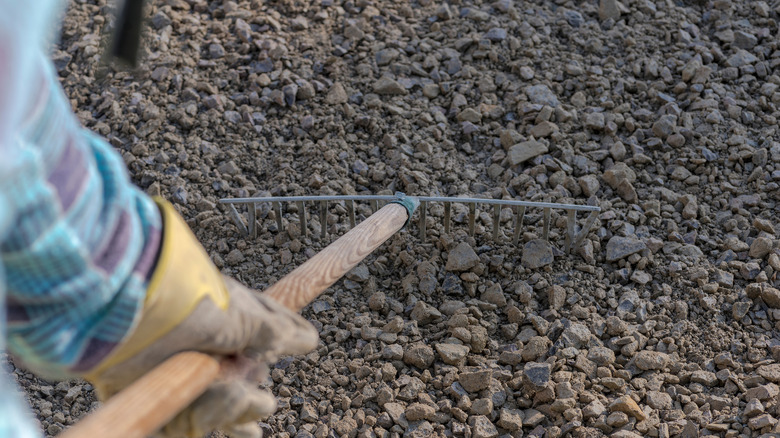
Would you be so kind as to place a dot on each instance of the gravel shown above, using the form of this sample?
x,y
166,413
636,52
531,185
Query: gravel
x,y
664,323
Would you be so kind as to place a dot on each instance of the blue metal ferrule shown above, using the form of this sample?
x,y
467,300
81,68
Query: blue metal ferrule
x,y
409,202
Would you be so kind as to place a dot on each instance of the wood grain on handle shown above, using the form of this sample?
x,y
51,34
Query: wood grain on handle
x,y
306,282
149,403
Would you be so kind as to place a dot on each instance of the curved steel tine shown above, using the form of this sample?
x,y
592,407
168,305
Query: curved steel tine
x,y
423,217
323,219
302,216
447,214
472,217
546,229
496,224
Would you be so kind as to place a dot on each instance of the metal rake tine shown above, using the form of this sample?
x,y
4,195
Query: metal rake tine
x,y
323,219
519,216
278,211
351,213
374,205
252,225
237,219
571,227
447,214
584,231
302,213
472,214
423,216
496,217
546,229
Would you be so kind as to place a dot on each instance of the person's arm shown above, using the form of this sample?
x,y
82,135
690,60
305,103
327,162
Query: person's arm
x,y
15,64
103,282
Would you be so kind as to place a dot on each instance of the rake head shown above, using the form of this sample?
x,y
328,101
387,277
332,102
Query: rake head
x,y
574,237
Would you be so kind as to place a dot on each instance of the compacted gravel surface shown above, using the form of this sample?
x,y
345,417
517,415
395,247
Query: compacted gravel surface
x,y
665,322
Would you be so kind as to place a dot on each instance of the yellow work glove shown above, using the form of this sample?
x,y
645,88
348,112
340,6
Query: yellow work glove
x,y
190,306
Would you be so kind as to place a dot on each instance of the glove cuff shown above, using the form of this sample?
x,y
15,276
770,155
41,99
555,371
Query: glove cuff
x,y
184,275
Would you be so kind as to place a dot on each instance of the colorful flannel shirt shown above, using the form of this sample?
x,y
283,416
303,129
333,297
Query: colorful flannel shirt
x,y
77,240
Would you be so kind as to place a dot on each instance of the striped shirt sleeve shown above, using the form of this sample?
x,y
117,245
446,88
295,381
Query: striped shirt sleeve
x,y
77,240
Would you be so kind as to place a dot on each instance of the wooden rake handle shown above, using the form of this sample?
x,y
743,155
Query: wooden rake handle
x,y
149,403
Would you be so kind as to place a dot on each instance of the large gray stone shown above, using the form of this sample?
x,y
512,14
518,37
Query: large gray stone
x,y
541,94
620,247
525,151
537,253
461,258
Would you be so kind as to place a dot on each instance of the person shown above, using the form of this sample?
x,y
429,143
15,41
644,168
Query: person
x,y
98,280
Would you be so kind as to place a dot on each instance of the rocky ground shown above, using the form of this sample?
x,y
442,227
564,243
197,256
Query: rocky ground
x,y
666,322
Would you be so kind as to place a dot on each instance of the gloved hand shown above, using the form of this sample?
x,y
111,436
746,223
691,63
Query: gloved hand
x,y
190,306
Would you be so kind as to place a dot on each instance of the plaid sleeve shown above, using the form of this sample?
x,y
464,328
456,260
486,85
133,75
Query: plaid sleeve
x,y
81,244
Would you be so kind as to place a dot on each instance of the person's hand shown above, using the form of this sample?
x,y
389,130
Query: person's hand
x,y
190,306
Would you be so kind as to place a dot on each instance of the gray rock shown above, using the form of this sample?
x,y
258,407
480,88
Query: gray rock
x,y
233,117
542,95
594,121
424,313
651,360
620,247
419,355
496,34
359,273
556,296
770,372
740,309
160,20
576,335
386,56
482,427
771,297
601,356
664,126
524,151
510,419
419,429
388,86
609,9
574,18
234,257
745,40
216,51
537,373
475,381
658,400
760,247
536,254
452,354
741,58
461,258
706,378
336,95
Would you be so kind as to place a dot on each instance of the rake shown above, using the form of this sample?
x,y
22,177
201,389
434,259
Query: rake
x,y
573,239
149,403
